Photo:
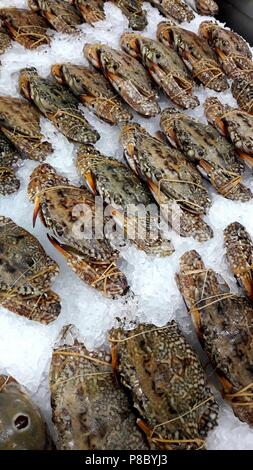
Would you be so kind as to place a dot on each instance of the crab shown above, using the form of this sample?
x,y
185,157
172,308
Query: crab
x,y
233,52
242,90
234,124
175,183
127,76
93,90
9,158
58,105
197,56
167,385
239,253
25,27
60,15
214,156
176,9
90,411
91,10
223,322
126,194
132,9
204,7
22,426
26,275
20,123
68,211
165,67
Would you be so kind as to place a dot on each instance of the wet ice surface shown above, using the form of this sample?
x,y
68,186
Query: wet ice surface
x,y
25,346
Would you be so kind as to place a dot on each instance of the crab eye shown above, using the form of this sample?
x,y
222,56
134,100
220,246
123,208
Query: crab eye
x,y
21,422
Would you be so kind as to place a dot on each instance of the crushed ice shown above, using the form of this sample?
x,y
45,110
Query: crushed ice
x,y
25,346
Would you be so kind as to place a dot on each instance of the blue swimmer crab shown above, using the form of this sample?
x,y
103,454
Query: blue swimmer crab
x,y
67,211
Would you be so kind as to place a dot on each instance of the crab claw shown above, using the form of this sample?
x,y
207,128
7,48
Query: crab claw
x,y
221,54
220,124
91,51
129,42
24,85
60,247
247,158
36,210
56,71
176,88
164,31
90,182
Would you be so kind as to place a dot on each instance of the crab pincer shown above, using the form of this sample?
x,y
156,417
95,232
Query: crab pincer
x,y
67,211
25,27
90,411
137,17
234,124
232,50
165,67
26,275
59,14
57,104
167,385
239,253
204,7
197,55
176,9
133,207
93,90
223,323
213,155
175,184
91,11
126,75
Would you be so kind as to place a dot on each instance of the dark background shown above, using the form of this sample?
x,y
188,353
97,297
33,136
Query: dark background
x,y
238,15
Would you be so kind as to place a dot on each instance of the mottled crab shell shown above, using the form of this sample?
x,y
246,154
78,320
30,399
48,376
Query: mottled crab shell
x,y
20,123
69,211
131,201
233,123
242,91
26,273
9,183
137,17
25,27
165,67
91,10
93,90
175,183
239,253
127,76
196,54
167,385
214,156
4,41
232,50
21,424
224,323
176,9
61,16
90,411
58,104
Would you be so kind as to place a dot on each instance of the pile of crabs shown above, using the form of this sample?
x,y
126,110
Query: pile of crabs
x,y
148,389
